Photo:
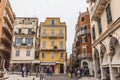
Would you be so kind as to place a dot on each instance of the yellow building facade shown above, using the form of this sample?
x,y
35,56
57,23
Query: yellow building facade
x,y
53,45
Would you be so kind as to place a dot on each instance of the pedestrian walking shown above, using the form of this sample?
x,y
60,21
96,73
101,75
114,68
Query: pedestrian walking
x,y
75,72
23,70
50,70
12,70
80,72
27,71
47,70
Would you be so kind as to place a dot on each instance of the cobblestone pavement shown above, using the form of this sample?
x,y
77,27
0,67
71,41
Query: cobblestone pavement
x,y
53,77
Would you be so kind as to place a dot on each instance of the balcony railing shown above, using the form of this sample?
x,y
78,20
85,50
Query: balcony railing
x,y
22,45
7,29
8,9
86,55
5,38
24,34
97,9
54,48
52,36
83,32
7,19
4,48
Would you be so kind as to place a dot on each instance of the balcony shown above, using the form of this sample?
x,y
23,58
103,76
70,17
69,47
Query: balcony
x,y
97,9
22,45
24,34
6,39
4,48
84,56
7,29
54,48
10,13
83,32
52,36
7,19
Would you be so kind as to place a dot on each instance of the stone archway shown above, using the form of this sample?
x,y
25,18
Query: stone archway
x,y
96,62
104,61
114,46
85,64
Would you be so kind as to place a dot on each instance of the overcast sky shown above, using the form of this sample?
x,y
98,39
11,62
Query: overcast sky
x,y
67,10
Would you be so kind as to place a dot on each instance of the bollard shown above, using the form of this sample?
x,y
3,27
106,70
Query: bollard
x,y
33,78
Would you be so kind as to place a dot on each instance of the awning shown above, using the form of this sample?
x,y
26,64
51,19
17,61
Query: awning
x,y
37,61
20,61
48,63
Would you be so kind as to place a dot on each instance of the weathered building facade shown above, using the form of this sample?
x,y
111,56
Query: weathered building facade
x,y
82,43
6,27
53,45
23,46
105,28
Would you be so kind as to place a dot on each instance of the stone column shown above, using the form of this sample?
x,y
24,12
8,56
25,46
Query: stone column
x,y
95,69
65,67
102,73
110,67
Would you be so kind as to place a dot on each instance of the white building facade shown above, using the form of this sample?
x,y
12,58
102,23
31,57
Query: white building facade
x,y
23,46
105,28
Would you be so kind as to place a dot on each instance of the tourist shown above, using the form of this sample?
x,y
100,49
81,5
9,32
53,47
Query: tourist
x,y
23,70
50,70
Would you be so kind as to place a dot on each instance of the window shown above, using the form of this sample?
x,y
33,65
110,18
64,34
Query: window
x,y
108,12
52,22
52,43
93,33
29,41
84,39
84,29
99,26
43,44
21,22
52,32
29,31
28,53
30,21
82,19
18,41
43,55
19,31
17,52
61,33
61,44
61,55
44,32
84,52
52,55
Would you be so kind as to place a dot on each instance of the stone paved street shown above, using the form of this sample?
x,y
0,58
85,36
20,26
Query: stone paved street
x,y
53,77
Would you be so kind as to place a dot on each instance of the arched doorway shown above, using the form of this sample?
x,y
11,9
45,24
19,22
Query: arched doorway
x,y
96,63
104,61
115,56
85,64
